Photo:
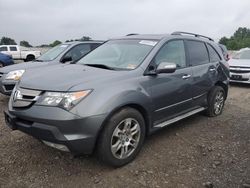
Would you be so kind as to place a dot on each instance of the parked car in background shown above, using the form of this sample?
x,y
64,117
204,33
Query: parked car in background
x,y
20,53
5,60
70,51
117,94
240,66
224,52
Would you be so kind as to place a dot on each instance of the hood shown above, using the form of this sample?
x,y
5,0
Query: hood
x,y
239,62
65,76
23,66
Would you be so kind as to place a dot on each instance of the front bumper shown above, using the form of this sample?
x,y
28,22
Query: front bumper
x,y
240,77
6,86
57,126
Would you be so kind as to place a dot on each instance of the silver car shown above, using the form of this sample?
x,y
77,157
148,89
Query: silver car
x,y
240,66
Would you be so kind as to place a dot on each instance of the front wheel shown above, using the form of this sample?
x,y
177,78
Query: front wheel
x,y
216,101
122,137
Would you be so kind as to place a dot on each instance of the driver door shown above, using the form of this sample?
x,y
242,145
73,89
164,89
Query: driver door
x,y
171,92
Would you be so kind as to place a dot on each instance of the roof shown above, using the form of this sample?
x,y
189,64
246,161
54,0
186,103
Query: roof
x,y
165,36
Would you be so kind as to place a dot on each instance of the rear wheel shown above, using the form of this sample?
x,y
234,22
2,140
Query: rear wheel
x,y
30,58
122,137
216,100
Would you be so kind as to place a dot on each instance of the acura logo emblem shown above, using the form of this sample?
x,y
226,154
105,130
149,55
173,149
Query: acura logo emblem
x,y
17,95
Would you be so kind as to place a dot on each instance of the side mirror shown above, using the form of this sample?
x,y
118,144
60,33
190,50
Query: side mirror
x,y
166,67
66,59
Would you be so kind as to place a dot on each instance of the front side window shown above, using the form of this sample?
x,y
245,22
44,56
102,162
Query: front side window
x,y
3,49
119,54
78,51
53,53
213,55
172,52
197,53
13,48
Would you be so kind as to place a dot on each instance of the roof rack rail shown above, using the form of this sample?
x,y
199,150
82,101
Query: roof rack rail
x,y
194,34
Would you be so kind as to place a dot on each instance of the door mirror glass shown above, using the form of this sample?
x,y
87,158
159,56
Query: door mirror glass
x,y
166,67
66,59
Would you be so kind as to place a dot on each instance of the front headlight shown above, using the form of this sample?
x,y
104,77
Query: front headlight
x,y
65,100
15,75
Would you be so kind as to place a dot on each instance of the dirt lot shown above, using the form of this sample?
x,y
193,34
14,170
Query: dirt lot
x,y
196,152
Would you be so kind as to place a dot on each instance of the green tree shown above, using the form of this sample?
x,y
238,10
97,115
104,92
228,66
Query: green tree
x,y
7,41
240,39
55,43
25,43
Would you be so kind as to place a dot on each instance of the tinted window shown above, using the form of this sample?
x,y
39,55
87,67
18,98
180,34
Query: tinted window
x,y
172,52
95,45
197,53
214,57
53,53
13,48
78,51
3,49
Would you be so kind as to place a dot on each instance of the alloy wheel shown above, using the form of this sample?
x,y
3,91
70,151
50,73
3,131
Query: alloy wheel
x,y
219,102
125,138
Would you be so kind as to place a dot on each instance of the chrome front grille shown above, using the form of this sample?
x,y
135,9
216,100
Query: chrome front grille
x,y
235,69
22,98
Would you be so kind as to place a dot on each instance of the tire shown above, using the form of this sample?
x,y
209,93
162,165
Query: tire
x,y
216,101
109,138
29,58
1,65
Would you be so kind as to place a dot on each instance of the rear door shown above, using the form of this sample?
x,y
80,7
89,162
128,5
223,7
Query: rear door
x,y
204,70
171,92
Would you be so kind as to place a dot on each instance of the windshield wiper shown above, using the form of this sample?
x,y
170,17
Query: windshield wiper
x,y
100,66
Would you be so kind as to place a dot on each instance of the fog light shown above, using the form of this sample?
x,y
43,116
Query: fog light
x,y
57,146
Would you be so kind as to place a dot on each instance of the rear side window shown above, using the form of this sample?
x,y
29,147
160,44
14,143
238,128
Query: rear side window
x,y
13,48
172,52
197,53
3,49
213,55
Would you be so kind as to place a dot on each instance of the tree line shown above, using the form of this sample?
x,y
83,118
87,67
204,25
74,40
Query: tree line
x,y
10,41
240,39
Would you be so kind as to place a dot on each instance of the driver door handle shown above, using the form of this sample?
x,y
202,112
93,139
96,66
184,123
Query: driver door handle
x,y
186,76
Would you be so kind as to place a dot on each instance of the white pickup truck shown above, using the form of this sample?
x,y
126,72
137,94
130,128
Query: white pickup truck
x,y
19,53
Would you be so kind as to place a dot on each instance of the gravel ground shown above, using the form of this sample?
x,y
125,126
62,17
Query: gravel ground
x,y
196,152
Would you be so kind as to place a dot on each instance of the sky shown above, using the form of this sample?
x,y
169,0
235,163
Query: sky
x,y
44,21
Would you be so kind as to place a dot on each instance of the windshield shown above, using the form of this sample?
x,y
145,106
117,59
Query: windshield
x,y
242,55
53,53
119,54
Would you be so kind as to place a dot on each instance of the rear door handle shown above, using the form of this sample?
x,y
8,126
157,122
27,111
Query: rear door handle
x,y
186,76
212,69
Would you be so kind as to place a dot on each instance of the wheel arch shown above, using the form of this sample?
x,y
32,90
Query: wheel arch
x,y
224,86
144,112
30,55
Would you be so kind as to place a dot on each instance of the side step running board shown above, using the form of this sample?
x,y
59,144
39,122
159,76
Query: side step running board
x,y
168,122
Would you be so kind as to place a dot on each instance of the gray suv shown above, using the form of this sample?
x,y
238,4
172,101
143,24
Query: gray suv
x,y
119,93
62,53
